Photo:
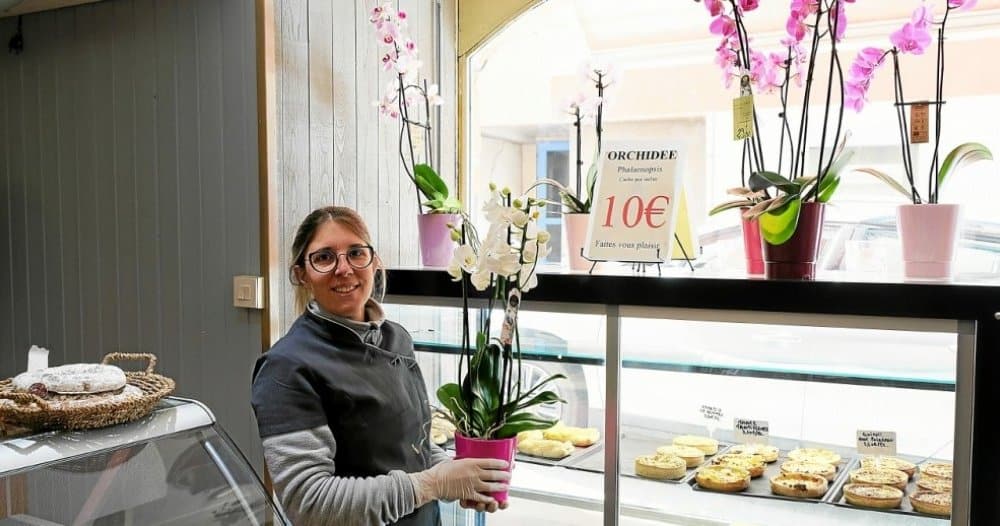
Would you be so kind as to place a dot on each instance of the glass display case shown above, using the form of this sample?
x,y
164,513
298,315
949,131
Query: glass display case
x,y
649,360
174,467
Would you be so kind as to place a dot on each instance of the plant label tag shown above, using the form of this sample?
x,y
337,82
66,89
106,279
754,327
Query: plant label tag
x,y
510,317
919,123
878,443
710,412
743,117
751,431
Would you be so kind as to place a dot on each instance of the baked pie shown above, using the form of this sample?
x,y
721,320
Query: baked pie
x,y
770,453
754,464
660,467
799,485
810,454
934,484
931,503
941,470
691,455
579,436
873,496
723,478
809,468
889,463
889,477
708,445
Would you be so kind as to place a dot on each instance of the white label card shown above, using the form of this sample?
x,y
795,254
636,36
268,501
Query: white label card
x,y
876,442
751,431
711,412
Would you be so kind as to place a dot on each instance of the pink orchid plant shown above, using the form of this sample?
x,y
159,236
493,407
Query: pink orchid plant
x,y
913,38
810,25
409,101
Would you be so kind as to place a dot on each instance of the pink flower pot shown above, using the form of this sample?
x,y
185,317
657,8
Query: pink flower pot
x,y
796,258
928,233
436,246
752,248
498,448
575,236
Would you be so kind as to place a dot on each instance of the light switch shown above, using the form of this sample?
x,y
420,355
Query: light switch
x,y
248,292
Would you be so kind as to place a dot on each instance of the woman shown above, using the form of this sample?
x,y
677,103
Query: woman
x,y
341,404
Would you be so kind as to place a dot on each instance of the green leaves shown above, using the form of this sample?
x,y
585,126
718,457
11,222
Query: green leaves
x,y
885,178
430,184
778,225
962,154
764,180
729,205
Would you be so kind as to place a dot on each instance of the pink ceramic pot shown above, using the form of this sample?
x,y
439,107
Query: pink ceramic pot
x,y
796,258
436,246
752,249
575,236
928,233
498,448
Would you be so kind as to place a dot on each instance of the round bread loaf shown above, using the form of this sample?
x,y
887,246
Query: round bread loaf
x,y
74,378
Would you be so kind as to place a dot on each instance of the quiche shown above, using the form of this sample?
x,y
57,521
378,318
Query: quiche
x,y
931,503
889,477
754,464
579,436
934,484
770,453
799,485
709,446
723,478
889,463
941,470
691,455
873,496
660,467
809,454
809,468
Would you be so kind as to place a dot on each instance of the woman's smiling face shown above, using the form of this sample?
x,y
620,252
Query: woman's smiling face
x,y
345,290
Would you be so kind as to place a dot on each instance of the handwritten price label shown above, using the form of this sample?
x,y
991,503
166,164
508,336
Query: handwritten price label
x,y
919,123
876,442
743,117
751,431
710,412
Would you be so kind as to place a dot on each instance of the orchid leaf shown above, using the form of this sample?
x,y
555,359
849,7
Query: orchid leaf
x,y
969,152
513,405
544,397
887,179
572,202
428,181
591,181
778,225
523,421
827,187
839,162
729,205
764,180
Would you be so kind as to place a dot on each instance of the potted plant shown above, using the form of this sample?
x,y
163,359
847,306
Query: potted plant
x,y
790,209
750,228
927,228
489,404
579,202
409,101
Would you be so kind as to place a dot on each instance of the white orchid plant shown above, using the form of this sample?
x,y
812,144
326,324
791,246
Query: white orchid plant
x,y
489,400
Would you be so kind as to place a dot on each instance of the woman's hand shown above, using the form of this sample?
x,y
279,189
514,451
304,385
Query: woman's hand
x,y
480,506
468,479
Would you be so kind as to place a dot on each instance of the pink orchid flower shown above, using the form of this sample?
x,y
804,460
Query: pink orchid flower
x,y
911,39
723,25
961,4
714,7
866,63
749,5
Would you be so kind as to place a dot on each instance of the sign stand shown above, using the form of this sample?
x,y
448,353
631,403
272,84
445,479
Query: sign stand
x,y
641,265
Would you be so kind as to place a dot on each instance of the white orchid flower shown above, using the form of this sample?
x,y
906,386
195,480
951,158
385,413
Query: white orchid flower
x,y
529,252
455,270
543,236
480,280
529,277
519,218
433,96
465,257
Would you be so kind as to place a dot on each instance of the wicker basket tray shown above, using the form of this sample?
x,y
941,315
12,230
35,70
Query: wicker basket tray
x,y
26,410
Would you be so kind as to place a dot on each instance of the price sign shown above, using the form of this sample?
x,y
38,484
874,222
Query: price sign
x,y
881,443
634,202
710,412
743,117
751,431
919,123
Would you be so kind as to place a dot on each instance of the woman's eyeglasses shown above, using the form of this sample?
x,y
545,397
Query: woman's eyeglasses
x,y
325,260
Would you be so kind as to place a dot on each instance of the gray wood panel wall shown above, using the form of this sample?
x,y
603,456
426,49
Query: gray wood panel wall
x,y
129,193
332,146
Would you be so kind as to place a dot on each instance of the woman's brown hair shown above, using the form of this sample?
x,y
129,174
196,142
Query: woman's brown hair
x,y
347,218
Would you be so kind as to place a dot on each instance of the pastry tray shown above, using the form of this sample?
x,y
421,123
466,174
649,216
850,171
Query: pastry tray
x,y
761,486
837,497
633,444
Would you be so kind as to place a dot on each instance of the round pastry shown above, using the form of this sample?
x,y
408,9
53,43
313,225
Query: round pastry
x,y
770,453
691,455
889,463
873,496
932,503
799,485
934,484
534,434
579,436
809,468
555,449
941,470
809,454
438,437
74,378
709,446
442,427
660,467
754,464
723,478
889,477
